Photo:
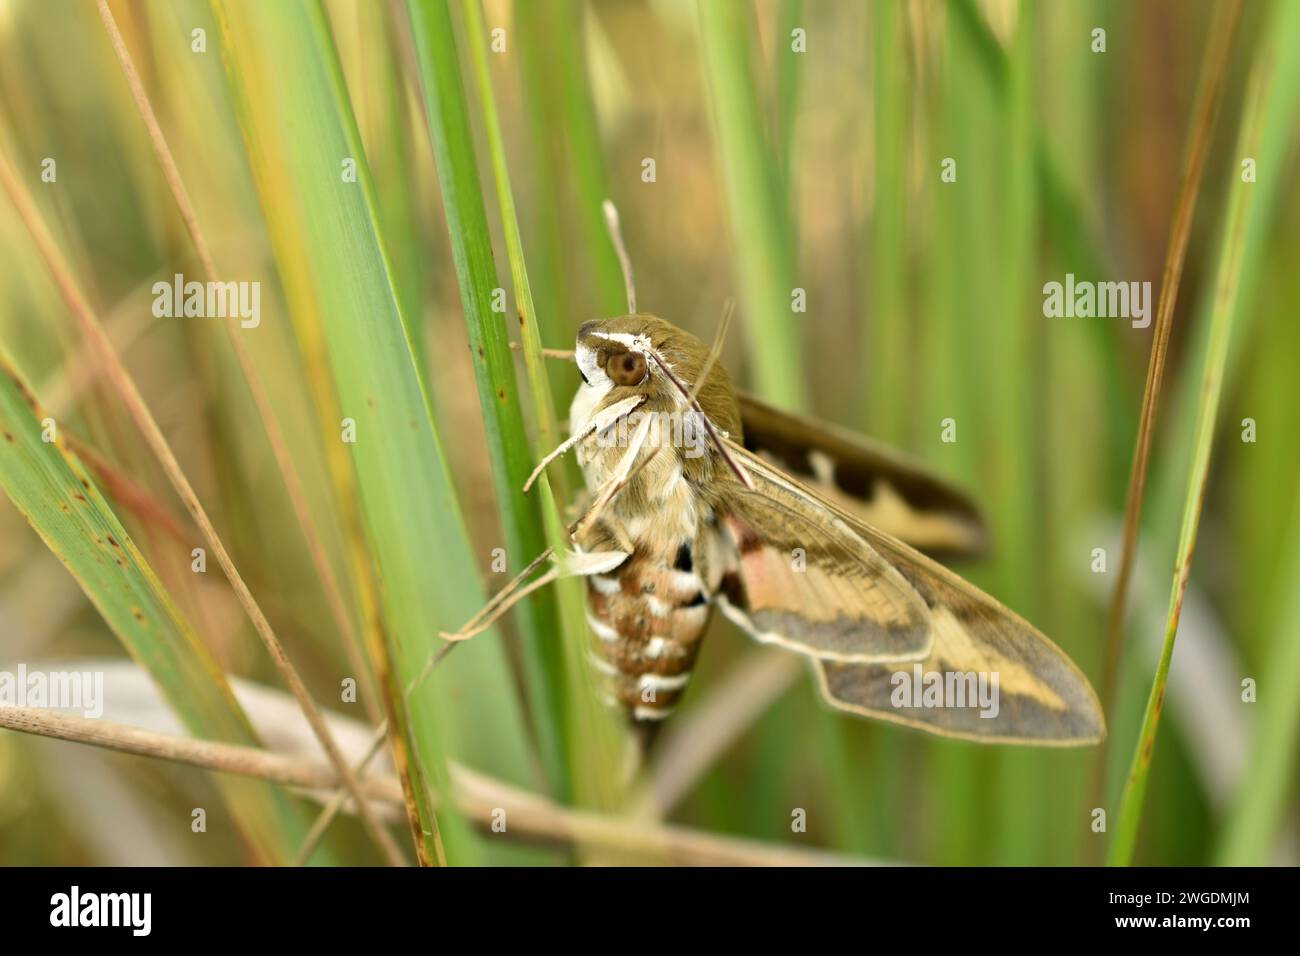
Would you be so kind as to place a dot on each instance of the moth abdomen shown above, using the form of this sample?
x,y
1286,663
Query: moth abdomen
x,y
648,617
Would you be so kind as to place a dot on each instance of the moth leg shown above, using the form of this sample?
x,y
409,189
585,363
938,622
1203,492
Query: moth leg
x,y
561,355
494,603
583,562
618,479
601,420
580,563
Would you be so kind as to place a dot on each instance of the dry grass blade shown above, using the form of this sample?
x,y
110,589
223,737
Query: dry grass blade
x,y
480,797
1226,289
122,383
1213,77
285,464
1222,33
331,810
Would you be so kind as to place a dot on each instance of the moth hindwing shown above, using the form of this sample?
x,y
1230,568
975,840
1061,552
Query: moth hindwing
x,y
876,484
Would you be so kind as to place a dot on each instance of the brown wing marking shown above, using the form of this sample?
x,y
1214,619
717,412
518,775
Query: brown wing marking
x,y
877,484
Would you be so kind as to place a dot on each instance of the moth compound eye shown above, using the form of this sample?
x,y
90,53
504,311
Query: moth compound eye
x,y
628,368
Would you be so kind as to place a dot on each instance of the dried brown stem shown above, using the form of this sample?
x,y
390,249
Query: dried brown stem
x,y
335,804
480,798
1222,32
1213,77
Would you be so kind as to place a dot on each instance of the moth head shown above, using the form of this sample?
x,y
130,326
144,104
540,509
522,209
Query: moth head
x,y
642,353
619,352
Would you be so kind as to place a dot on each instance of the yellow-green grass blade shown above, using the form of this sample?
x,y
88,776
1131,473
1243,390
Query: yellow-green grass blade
x,y
1065,224
494,370
377,94
1226,301
300,134
52,488
575,271
788,67
589,730
759,219
1266,460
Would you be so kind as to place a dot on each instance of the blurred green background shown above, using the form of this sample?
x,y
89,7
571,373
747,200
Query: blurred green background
x,y
795,145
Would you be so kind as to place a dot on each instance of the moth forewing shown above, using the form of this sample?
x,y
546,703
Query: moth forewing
x,y
986,673
803,579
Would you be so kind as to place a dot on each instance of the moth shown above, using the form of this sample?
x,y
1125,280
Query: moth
x,y
805,536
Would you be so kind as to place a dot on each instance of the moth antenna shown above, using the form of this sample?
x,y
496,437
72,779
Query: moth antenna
x,y
715,353
616,237
689,395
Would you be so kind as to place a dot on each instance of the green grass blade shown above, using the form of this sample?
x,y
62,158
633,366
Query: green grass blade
x,y
1065,226
494,370
51,488
554,66
1227,285
1260,805
299,130
590,730
788,67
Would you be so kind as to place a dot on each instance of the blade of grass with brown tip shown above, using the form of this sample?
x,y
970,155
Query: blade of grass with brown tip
x,y
1213,77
